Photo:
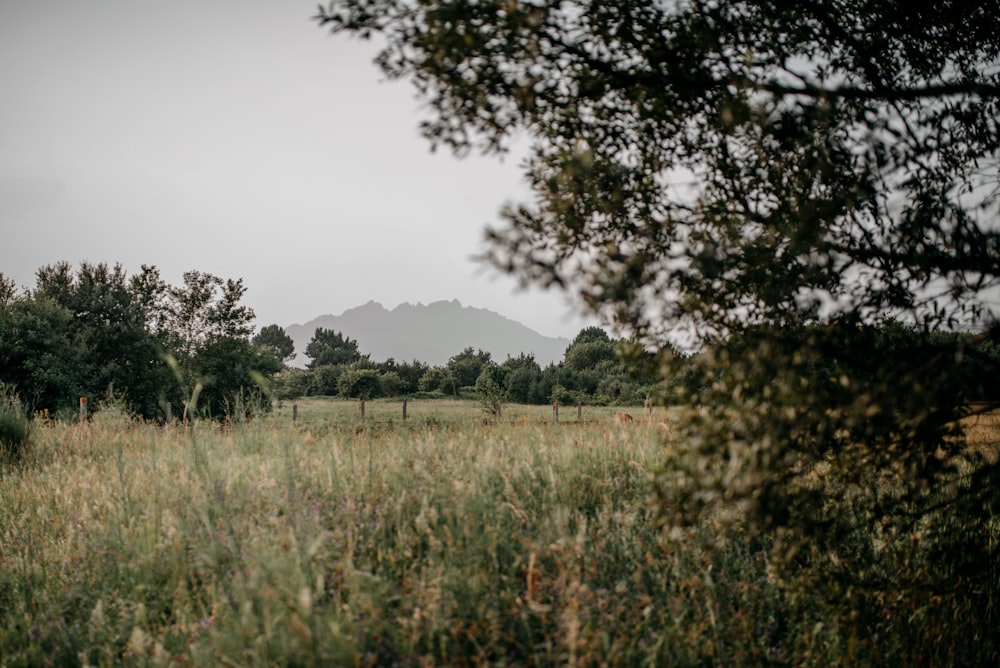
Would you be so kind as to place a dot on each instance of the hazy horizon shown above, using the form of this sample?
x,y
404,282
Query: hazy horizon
x,y
242,140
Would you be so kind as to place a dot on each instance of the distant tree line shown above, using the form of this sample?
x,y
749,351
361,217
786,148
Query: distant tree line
x,y
600,370
591,372
134,340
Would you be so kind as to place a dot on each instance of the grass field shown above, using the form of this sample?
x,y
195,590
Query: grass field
x,y
328,411
444,540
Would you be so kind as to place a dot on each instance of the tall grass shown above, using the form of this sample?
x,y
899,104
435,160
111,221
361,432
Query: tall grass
x,y
463,544
15,429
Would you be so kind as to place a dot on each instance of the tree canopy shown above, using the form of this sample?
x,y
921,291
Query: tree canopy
x,y
770,181
709,165
99,333
328,347
275,339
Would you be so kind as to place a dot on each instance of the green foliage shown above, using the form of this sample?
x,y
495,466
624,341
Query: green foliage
x,y
768,181
226,367
80,334
97,333
392,384
323,380
466,366
292,383
523,378
564,395
15,428
38,356
719,163
844,440
409,374
589,355
490,388
203,309
330,348
8,290
360,384
277,341
590,335
436,379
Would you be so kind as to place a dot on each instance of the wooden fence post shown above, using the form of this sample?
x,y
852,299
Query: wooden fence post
x,y
579,411
361,409
555,412
83,409
170,413
404,409
295,411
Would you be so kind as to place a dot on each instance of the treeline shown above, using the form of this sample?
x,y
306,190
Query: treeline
x,y
591,372
600,370
143,343
133,340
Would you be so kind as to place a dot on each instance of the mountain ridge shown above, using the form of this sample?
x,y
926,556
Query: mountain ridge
x,y
430,333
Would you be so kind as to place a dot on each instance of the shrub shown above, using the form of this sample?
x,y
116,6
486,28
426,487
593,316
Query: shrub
x,y
15,429
360,384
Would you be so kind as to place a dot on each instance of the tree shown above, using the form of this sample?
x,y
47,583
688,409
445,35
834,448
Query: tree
x,y
723,162
106,335
523,376
409,374
38,357
98,333
8,290
205,331
768,181
392,384
490,388
591,335
227,367
323,380
328,347
360,384
274,338
292,383
466,366
588,355
435,379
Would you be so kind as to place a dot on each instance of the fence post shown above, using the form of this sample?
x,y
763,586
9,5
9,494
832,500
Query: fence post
x,y
498,409
404,409
579,411
83,409
555,412
361,409
295,411
170,413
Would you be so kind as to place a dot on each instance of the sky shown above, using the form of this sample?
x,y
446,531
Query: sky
x,y
238,138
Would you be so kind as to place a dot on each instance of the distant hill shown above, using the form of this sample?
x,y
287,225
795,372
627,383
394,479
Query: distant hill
x,y
432,333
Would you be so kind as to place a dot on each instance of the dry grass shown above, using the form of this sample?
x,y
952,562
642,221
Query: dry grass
x,y
982,429
444,542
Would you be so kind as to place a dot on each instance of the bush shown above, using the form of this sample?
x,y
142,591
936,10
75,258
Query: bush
x,y
360,384
293,383
15,428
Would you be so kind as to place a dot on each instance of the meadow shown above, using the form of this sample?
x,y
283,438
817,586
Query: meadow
x,y
446,539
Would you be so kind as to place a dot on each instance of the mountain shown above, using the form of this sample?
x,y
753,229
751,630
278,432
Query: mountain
x,y
432,333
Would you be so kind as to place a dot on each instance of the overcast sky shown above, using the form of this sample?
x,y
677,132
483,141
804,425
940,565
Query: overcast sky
x,y
238,138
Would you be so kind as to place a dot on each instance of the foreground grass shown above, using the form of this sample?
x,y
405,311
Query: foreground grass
x,y
455,544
